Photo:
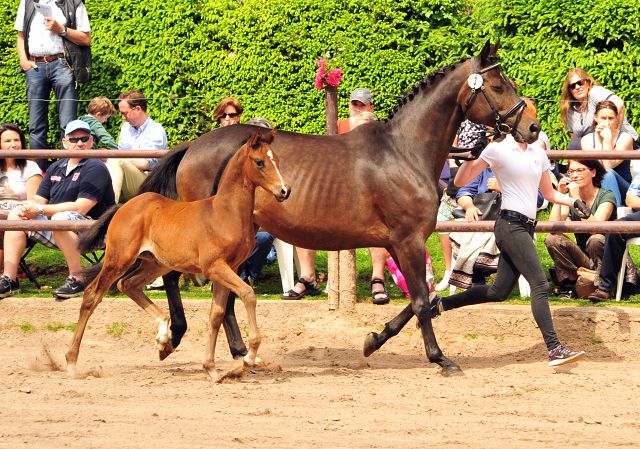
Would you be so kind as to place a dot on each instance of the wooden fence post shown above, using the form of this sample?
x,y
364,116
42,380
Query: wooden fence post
x,y
333,275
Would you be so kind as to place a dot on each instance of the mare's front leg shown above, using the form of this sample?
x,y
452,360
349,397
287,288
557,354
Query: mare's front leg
x,y
176,309
91,298
133,284
411,254
231,329
224,278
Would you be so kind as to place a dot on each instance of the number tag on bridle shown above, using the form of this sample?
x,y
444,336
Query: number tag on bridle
x,y
475,81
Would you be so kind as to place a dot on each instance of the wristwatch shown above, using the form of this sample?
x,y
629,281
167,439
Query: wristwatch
x,y
41,210
64,33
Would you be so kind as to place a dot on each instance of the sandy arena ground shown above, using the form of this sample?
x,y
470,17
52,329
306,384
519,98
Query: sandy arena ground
x,y
319,390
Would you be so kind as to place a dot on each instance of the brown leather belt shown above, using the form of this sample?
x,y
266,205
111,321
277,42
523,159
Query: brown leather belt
x,y
46,58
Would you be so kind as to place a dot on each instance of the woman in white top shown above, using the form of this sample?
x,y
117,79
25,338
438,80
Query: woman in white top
x,y
520,169
22,176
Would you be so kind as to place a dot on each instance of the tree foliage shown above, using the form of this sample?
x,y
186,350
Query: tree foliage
x,y
263,52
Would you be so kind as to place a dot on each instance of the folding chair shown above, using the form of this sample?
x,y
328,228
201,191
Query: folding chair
x,y
623,212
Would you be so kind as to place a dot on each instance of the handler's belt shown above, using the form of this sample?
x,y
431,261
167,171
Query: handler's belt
x,y
46,58
518,216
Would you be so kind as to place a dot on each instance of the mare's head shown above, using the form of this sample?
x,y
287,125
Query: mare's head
x,y
490,98
262,166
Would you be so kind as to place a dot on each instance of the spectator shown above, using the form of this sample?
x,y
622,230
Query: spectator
x,y
584,183
44,47
99,111
228,112
466,137
614,246
580,95
72,189
618,175
138,132
360,100
19,178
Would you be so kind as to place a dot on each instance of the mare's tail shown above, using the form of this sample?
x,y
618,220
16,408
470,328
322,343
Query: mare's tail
x,y
162,178
94,238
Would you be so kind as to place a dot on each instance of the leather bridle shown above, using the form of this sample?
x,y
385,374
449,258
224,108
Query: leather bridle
x,y
500,127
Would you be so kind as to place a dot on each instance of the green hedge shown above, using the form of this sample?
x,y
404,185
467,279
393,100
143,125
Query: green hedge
x,y
264,53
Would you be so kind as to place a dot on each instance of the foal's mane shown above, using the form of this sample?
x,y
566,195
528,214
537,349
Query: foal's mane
x,y
429,81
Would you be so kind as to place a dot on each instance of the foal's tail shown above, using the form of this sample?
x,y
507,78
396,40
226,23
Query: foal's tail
x,y
94,238
162,178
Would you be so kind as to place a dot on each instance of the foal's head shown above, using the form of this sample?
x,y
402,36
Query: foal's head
x,y
262,167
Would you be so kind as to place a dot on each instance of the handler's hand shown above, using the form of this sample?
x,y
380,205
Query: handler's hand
x,y
472,214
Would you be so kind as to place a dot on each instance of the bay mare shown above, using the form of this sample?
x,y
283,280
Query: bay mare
x,y
372,187
213,236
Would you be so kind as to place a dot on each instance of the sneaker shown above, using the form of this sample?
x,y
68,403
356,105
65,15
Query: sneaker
x,y
436,305
601,295
70,289
561,356
8,287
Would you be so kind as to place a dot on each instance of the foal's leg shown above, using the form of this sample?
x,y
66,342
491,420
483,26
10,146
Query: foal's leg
x,y
411,254
91,298
225,278
133,284
176,309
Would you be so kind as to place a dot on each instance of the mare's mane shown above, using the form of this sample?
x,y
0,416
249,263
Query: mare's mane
x,y
429,81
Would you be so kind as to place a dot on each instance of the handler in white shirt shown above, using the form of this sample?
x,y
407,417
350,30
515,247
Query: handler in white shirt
x,y
138,132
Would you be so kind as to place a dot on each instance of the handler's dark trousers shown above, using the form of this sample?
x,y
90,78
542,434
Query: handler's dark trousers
x,y
518,255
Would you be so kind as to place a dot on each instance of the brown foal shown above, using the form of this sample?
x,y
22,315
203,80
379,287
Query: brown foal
x,y
213,236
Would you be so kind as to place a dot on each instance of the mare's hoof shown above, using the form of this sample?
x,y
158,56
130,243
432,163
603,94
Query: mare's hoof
x,y
452,371
370,344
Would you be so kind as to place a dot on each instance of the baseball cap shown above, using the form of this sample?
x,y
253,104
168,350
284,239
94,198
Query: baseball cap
x,y
75,125
361,94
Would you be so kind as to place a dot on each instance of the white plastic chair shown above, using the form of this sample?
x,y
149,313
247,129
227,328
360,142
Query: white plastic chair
x,y
287,255
623,212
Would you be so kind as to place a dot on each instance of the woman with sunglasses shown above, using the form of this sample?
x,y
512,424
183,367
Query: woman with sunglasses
x,y
228,112
580,96
19,178
583,181
603,138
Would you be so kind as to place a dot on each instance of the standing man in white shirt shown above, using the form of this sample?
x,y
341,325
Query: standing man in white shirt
x,y
47,47
138,132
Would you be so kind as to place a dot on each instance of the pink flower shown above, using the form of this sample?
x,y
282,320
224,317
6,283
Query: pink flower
x,y
334,78
319,81
321,63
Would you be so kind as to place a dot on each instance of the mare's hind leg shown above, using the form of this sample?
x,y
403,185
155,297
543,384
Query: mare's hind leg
x,y
176,309
133,284
412,255
224,278
374,341
91,298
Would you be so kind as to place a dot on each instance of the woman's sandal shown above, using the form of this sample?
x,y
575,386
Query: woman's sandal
x,y
310,289
379,297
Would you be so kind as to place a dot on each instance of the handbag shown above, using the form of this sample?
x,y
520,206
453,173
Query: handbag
x,y
489,204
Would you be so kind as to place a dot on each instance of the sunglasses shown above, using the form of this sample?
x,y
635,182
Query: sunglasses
x,y
232,115
577,172
84,139
578,83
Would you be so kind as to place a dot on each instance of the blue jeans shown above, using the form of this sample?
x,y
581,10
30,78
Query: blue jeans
x,y
54,75
616,183
614,246
257,259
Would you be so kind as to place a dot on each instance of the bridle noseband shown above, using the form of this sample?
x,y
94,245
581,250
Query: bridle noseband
x,y
478,84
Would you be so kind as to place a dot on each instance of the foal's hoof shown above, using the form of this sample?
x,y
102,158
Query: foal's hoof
x,y
370,344
163,353
452,371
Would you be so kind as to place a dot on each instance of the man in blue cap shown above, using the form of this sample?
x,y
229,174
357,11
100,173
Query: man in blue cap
x,y
72,189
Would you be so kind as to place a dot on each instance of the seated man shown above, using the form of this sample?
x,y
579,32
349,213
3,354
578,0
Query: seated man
x,y
72,189
138,132
614,246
